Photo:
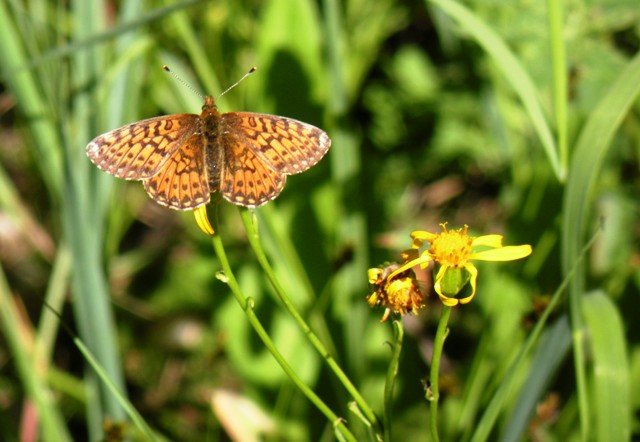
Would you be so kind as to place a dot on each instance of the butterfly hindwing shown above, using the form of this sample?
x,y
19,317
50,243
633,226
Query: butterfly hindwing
x,y
246,179
182,181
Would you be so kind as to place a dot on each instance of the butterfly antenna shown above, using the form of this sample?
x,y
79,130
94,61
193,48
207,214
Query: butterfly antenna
x,y
184,83
251,71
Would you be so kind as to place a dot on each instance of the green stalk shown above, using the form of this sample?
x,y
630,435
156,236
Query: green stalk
x,y
559,65
55,298
115,391
51,423
83,225
392,373
247,306
254,241
441,335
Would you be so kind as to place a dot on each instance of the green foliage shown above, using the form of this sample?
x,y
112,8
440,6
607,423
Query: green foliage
x,y
518,118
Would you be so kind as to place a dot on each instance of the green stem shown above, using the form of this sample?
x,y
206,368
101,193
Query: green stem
x,y
392,373
247,305
438,345
252,233
115,390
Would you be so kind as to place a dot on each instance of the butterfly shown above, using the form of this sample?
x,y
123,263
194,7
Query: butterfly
x,y
181,159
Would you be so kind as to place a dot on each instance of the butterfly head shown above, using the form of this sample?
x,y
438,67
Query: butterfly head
x,y
209,104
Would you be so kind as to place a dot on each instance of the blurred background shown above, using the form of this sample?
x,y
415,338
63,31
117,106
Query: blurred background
x,y
518,118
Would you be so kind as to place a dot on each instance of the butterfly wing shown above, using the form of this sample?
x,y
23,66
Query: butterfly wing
x,y
245,179
166,153
288,146
248,161
259,150
139,150
182,182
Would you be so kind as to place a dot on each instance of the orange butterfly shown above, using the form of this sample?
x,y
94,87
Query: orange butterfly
x,y
183,158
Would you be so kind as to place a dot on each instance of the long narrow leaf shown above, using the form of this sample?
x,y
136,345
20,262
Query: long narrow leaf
x,y
612,390
513,71
593,144
52,424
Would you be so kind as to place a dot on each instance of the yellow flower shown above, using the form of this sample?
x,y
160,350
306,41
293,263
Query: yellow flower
x,y
400,293
453,251
202,220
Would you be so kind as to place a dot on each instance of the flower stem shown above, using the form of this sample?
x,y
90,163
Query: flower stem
x,y
253,237
247,305
392,373
441,335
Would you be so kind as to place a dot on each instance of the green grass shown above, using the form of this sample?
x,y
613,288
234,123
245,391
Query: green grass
x,y
519,119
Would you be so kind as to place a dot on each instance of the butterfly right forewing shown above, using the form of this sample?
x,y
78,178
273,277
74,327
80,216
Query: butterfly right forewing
x,y
288,146
139,150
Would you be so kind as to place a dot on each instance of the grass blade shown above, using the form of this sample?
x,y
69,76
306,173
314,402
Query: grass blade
x,y
610,374
592,145
513,71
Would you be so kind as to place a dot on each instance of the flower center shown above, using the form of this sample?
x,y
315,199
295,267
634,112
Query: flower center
x,y
451,248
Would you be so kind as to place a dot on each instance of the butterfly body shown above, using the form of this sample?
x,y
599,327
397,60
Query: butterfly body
x,y
181,159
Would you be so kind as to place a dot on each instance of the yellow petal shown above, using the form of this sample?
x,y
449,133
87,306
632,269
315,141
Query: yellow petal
x,y
374,275
508,253
473,272
449,302
488,240
372,299
203,221
406,266
427,259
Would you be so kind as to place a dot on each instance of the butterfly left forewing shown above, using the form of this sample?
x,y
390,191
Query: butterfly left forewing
x,y
139,150
286,145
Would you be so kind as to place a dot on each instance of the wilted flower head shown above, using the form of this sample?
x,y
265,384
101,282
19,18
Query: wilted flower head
x,y
397,291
